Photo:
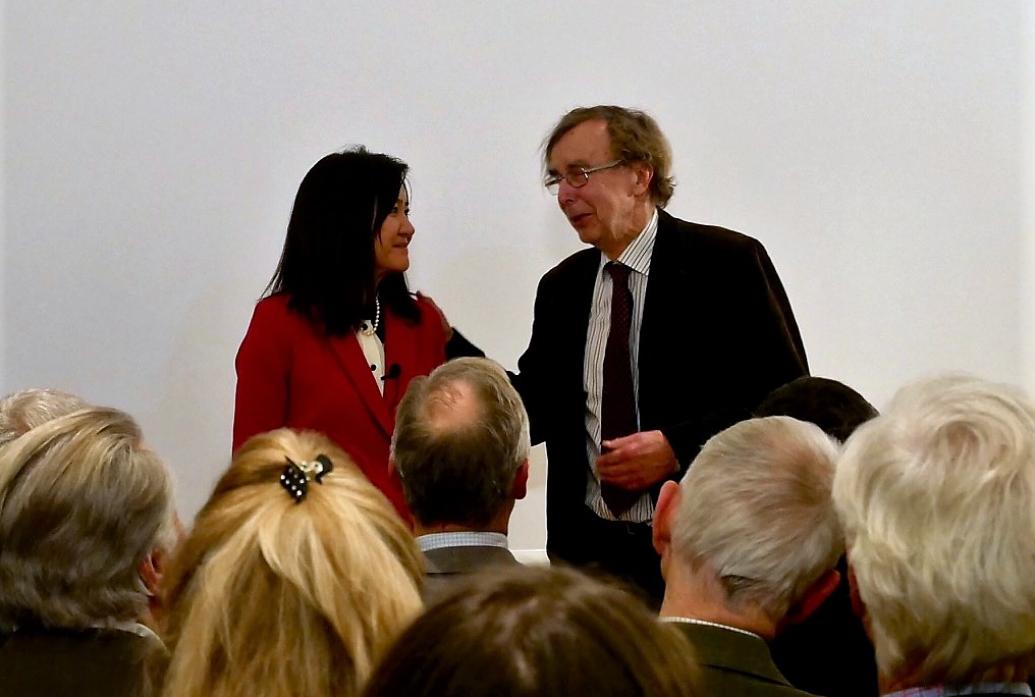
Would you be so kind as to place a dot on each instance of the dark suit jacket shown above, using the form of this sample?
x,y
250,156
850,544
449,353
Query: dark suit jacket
x,y
736,664
717,336
290,374
829,653
89,663
448,565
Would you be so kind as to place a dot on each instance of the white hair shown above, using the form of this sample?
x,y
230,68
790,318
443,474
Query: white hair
x,y
756,508
22,411
937,498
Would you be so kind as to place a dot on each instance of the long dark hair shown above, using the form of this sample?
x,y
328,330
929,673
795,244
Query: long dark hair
x,y
327,268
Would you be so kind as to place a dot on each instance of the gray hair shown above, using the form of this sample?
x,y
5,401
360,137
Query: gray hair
x,y
22,411
756,509
937,499
457,457
82,503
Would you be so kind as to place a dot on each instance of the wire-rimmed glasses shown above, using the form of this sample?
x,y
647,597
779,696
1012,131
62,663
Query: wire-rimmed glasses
x,y
577,177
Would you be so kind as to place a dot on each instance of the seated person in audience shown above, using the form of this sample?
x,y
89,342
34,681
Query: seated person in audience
x,y
548,632
86,518
748,543
829,653
297,575
937,500
833,406
461,449
24,410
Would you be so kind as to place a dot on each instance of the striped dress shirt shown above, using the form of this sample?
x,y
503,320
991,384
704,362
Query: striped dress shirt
x,y
637,257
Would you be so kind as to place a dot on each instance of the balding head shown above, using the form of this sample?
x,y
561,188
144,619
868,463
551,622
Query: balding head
x,y
460,443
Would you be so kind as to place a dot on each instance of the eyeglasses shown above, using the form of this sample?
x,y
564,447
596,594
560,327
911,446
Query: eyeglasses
x,y
577,177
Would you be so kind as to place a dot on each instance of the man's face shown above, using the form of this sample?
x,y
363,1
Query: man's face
x,y
603,210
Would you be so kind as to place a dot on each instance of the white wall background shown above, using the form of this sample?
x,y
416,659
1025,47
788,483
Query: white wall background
x,y
881,149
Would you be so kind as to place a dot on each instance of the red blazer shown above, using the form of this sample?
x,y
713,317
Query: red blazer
x,y
289,374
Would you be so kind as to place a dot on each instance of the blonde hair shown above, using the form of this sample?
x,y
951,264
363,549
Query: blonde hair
x,y
937,498
22,411
270,596
756,508
82,503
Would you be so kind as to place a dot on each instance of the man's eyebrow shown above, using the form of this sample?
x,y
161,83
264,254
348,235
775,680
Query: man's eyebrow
x,y
577,164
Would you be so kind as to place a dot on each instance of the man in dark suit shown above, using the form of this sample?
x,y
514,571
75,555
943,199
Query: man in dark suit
x,y
748,542
461,449
642,347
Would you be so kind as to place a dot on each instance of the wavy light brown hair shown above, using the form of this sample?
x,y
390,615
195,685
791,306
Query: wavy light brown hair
x,y
537,632
635,137
270,596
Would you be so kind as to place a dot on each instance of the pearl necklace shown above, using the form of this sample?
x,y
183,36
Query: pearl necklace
x,y
371,329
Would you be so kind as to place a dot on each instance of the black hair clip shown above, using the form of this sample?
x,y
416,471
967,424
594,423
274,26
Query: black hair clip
x,y
296,477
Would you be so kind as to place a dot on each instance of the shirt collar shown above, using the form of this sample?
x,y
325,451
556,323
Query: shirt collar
x,y
637,255
706,623
438,540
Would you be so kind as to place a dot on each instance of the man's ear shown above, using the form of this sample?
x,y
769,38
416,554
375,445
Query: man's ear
x,y
520,487
150,571
815,596
668,503
644,176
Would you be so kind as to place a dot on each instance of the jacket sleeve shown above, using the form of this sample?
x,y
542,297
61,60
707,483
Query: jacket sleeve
x,y
768,352
533,367
263,370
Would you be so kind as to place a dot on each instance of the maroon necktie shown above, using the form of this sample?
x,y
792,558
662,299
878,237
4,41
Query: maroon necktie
x,y
618,402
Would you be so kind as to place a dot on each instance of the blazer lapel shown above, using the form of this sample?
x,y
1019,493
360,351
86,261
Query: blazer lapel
x,y
401,344
354,364
577,319
666,283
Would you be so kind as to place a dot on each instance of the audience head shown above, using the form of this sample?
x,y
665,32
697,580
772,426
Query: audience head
x,y
461,445
347,240
279,596
937,500
536,631
635,138
752,527
85,508
831,405
22,411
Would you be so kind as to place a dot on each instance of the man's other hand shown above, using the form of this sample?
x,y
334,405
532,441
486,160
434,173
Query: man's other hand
x,y
637,461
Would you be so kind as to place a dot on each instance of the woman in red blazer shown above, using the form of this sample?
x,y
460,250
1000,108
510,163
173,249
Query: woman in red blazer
x,y
338,336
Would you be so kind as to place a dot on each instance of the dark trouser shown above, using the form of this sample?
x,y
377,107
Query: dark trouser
x,y
623,550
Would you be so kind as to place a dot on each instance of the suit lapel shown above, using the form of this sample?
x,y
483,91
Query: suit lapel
x,y
666,284
400,350
581,295
354,364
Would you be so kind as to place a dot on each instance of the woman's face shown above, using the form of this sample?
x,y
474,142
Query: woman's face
x,y
391,246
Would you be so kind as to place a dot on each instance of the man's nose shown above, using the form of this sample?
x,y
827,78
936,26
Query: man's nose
x,y
566,193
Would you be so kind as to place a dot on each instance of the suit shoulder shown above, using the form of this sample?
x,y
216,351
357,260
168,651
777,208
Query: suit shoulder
x,y
711,238
570,267
272,308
